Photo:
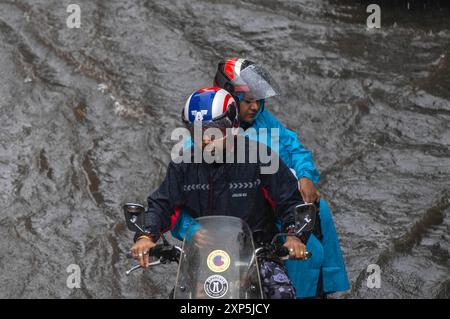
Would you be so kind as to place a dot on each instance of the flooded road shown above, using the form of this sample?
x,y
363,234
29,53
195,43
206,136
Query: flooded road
x,y
86,116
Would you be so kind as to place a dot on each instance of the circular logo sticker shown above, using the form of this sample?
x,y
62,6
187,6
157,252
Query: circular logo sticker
x,y
218,261
216,286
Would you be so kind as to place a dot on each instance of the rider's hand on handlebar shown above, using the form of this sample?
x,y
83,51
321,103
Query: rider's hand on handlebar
x,y
296,248
140,250
308,191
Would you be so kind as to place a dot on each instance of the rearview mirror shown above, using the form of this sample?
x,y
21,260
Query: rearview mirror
x,y
305,217
134,216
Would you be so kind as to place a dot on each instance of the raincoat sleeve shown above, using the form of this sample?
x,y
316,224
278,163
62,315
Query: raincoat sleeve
x,y
162,203
301,160
280,189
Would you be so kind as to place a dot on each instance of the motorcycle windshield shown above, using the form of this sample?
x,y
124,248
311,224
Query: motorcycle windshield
x,y
260,83
218,261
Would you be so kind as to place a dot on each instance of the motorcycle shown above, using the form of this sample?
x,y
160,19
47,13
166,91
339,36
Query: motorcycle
x,y
218,258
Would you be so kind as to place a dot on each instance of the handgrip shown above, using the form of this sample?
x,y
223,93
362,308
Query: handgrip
x,y
155,251
161,251
283,253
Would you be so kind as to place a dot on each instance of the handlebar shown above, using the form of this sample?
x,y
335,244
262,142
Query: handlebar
x,y
283,253
168,253
165,253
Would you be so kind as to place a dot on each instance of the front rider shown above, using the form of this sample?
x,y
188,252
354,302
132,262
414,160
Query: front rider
x,y
272,195
250,85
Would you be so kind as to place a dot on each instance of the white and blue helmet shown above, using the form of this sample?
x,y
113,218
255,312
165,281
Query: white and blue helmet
x,y
212,107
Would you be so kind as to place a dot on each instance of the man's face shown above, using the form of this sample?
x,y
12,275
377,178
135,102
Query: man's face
x,y
248,110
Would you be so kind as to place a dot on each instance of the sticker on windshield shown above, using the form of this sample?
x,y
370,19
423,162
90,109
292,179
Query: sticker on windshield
x,y
218,261
216,286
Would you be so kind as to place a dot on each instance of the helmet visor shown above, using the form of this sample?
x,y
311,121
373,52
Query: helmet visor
x,y
222,123
260,84
229,119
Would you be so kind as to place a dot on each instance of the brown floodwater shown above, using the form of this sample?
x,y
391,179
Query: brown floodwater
x,y
86,116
